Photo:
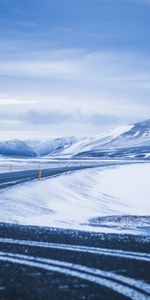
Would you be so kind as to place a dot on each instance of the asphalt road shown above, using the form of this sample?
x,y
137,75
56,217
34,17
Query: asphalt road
x,y
14,177
53,264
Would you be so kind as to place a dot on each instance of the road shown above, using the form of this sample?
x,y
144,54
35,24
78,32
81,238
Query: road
x,y
56,264
43,263
14,177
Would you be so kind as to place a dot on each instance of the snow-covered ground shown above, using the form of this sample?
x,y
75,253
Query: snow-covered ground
x,y
91,199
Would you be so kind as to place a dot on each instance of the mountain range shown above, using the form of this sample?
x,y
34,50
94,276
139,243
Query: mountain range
x,y
131,141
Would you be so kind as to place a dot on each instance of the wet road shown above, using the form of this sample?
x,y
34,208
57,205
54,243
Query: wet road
x,y
43,263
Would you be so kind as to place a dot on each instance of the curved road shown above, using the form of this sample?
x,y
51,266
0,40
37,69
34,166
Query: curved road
x,y
54,264
12,178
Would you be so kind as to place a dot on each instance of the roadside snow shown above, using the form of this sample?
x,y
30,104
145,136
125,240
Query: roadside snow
x,y
74,200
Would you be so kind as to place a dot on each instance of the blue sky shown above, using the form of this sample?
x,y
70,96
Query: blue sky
x,y
73,67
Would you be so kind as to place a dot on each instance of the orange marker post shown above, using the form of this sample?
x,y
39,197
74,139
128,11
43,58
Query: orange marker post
x,y
40,172
66,169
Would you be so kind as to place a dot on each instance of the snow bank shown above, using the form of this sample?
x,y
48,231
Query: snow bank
x,y
82,199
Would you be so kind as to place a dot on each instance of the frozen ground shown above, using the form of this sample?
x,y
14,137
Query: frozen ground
x,y
91,199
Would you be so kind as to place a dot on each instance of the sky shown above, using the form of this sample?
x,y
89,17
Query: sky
x,y
73,67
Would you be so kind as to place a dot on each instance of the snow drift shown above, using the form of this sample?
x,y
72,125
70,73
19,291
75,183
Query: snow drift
x,y
91,199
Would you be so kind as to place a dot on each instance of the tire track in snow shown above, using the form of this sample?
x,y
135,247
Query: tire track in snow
x,y
123,285
84,249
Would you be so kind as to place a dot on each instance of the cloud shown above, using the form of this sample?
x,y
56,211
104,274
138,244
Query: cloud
x,y
44,118
104,82
103,68
38,68
4,101
10,122
100,83
76,117
45,124
74,66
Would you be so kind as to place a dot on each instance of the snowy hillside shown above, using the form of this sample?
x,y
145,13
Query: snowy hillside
x,y
53,145
33,148
138,135
126,141
131,141
91,199
16,148
98,141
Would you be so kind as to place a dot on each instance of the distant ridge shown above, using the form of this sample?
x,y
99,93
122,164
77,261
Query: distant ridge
x,y
131,141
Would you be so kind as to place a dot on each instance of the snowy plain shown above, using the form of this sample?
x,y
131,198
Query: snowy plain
x,y
90,199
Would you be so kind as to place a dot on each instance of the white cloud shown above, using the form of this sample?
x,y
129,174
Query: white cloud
x,y
111,68
10,122
110,83
8,101
39,68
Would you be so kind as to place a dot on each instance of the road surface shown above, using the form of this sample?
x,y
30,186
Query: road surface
x,y
14,177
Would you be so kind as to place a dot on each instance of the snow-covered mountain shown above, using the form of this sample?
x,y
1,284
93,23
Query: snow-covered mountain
x,y
131,141
16,148
96,142
137,135
128,141
32,148
52,146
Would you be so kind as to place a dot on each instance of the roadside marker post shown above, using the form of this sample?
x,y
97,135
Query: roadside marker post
x,y
10,168
40,172
66,169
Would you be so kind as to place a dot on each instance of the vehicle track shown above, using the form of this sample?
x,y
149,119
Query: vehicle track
x,y
76,248
40,255
123,285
